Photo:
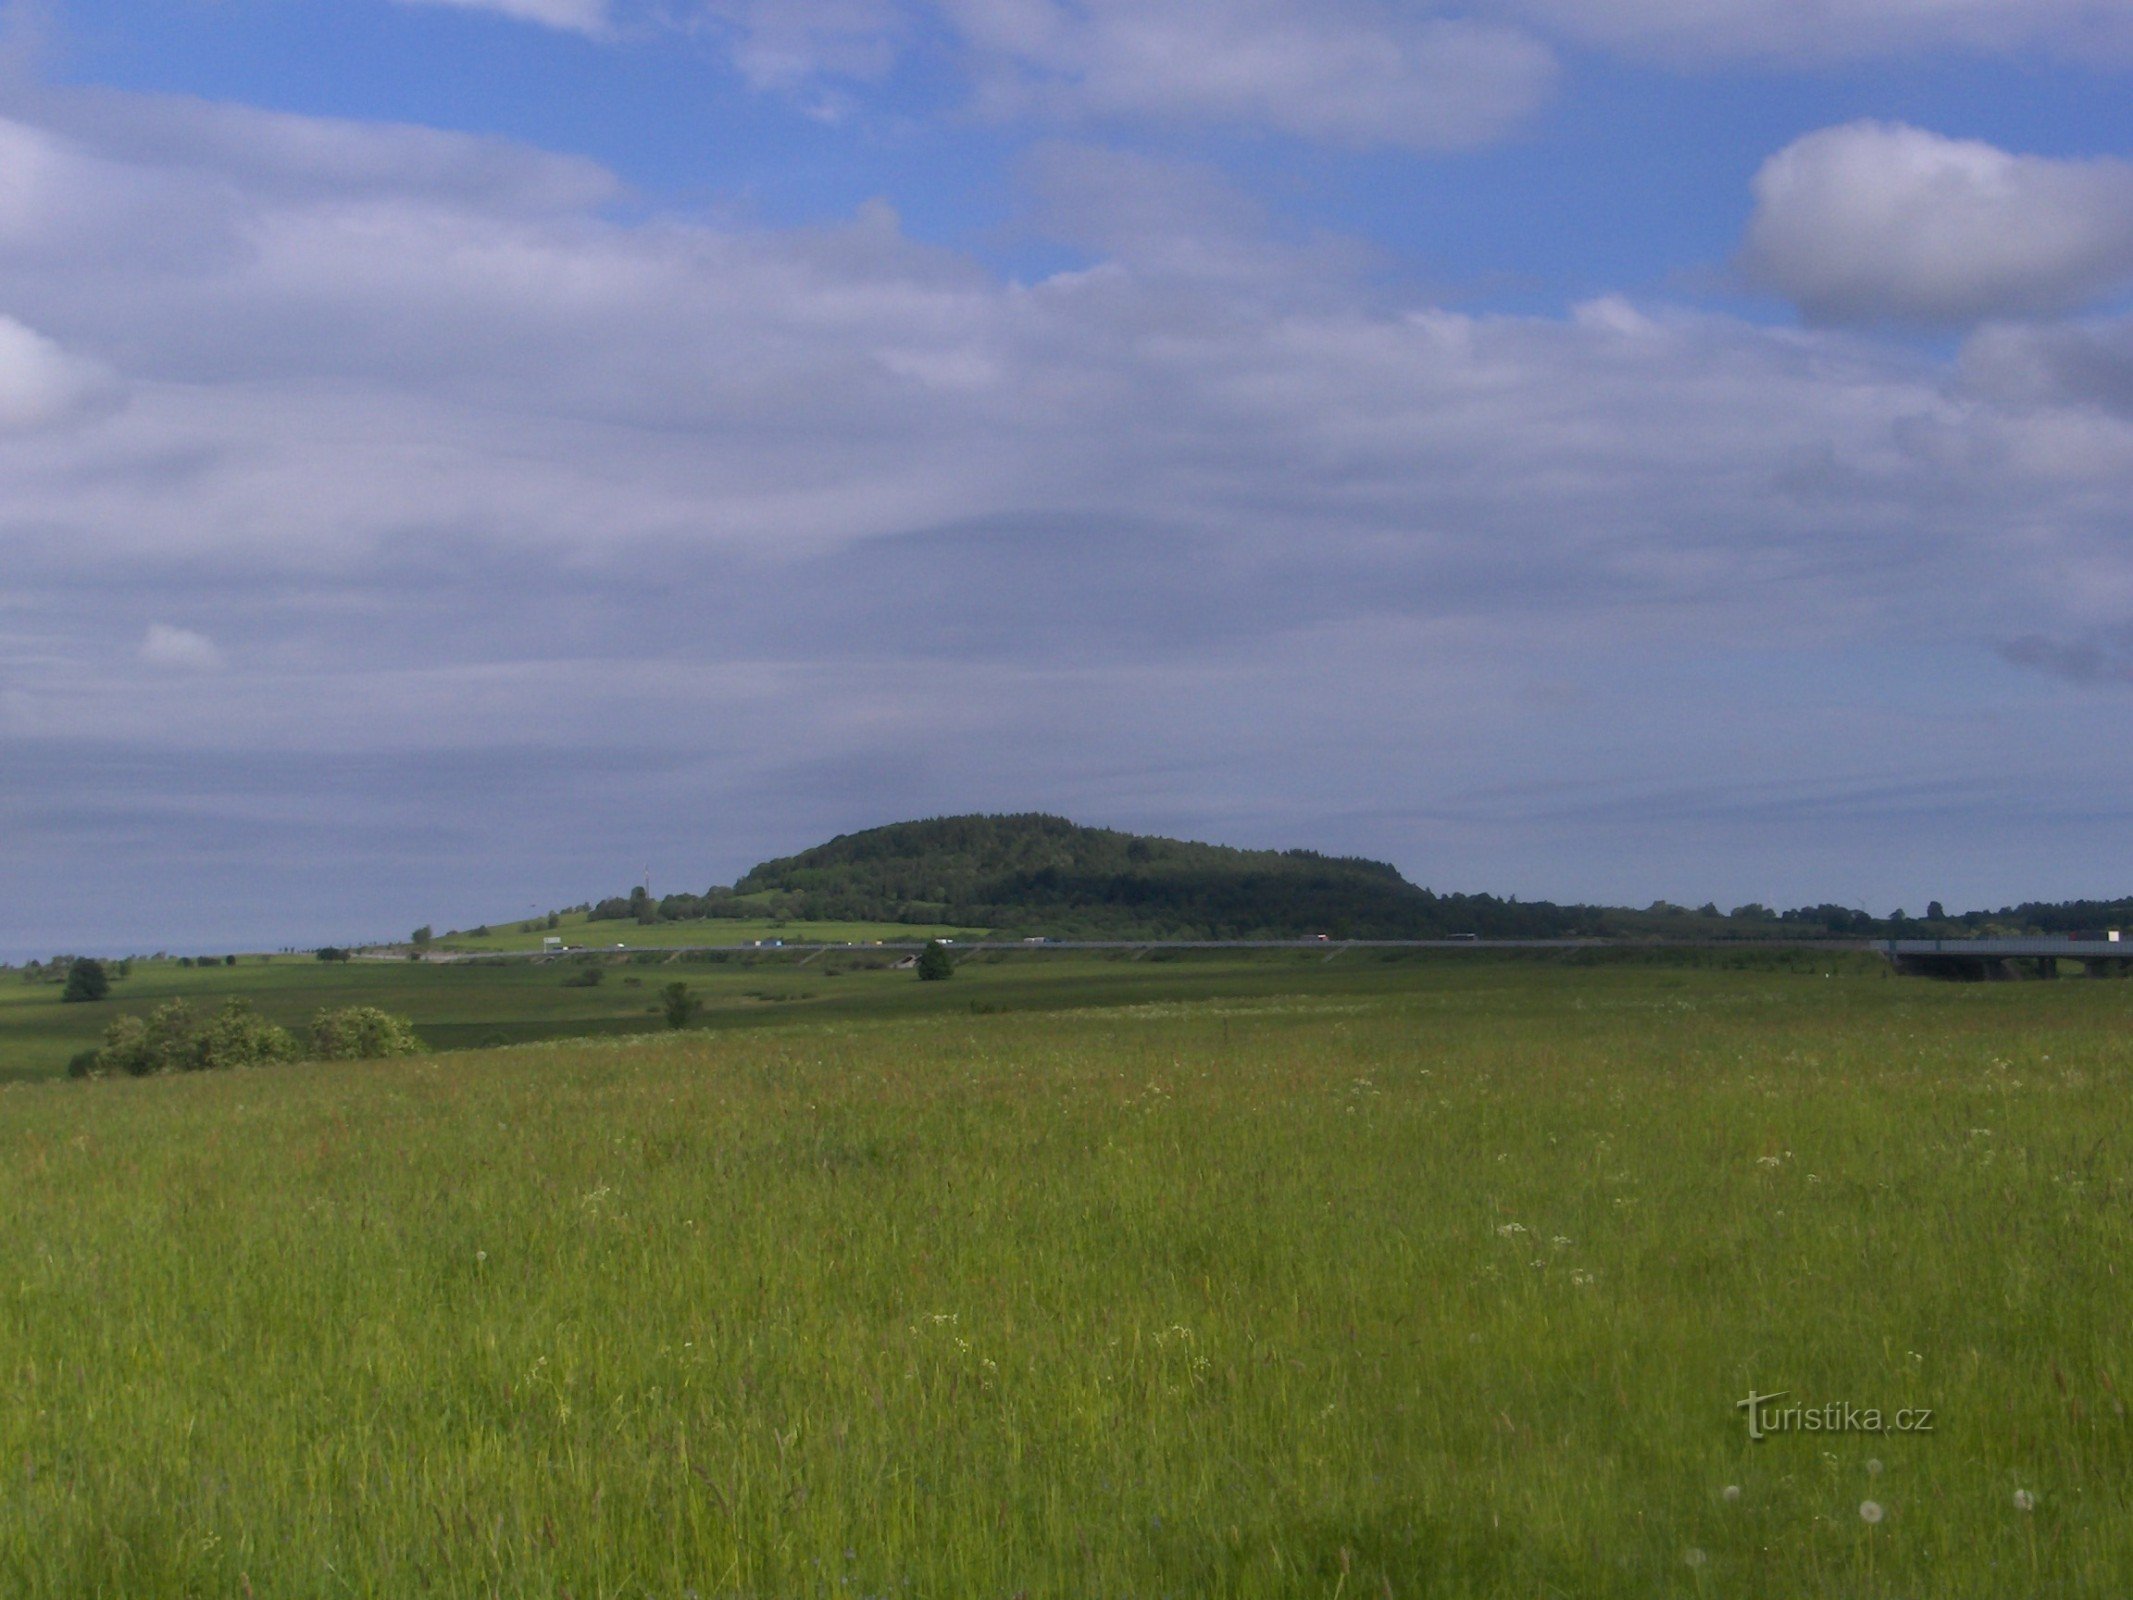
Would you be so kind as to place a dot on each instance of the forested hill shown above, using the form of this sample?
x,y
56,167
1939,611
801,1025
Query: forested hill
x,y
1034,874
1041,874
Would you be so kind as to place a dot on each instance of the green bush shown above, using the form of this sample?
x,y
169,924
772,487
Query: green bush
x,y
86,980
935,963
362,1033
241,1037
678,1005
139,1048
171,1040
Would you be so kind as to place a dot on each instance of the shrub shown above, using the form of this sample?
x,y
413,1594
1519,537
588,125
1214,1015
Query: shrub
x,y
935,963
332,952
171,1041
585,978
241,1037
678,1005
163,1043
86,980
362,1033
86,1064
126,1048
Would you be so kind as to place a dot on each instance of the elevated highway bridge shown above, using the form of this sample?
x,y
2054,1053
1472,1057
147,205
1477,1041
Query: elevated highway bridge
x,y
1976,959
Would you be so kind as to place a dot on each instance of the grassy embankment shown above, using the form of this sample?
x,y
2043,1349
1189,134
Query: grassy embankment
x,y
1421,1278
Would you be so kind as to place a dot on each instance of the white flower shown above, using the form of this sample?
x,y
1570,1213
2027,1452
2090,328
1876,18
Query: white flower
x,y
1870,1512
1694,1557
2025,1501
1873,1468
1730,1493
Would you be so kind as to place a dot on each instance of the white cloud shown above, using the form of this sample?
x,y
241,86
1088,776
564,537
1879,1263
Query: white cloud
x,y
1877,220
781,44
1833,30
573,16
178,649
1353,72
41,385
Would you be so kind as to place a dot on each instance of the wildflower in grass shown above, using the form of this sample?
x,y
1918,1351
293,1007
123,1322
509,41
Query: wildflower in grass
x,y
1730,1493
2024,1500
1870,1512
1694,1557
1873,1468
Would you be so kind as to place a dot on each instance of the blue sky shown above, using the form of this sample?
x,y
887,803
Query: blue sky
x,y
454,456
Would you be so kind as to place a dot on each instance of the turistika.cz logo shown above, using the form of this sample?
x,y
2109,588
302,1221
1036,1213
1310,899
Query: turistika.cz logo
x,y
1766,1416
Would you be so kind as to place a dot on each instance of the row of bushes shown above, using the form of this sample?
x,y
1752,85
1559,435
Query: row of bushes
x,y
172,1039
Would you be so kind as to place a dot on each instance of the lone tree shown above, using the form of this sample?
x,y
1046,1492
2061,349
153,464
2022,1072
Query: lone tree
x,y
86,980
935,963
680,1006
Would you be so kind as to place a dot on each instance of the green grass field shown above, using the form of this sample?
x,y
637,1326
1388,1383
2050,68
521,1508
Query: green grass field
x,y
456,1005
1421,1277
573,929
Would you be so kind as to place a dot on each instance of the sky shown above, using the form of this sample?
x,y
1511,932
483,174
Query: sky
x,y
461,457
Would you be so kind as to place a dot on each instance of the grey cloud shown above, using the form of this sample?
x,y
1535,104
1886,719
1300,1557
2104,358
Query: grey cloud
x,y
2100,656
1182,221
2062,365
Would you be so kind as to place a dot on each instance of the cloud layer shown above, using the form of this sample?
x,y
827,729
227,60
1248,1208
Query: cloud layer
x,y
470,481
1877,220
1835,30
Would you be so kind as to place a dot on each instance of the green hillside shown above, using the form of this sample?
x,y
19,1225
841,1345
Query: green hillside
x,y
1041,874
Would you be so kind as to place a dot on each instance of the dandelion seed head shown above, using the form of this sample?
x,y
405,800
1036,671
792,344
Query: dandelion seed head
x,y
1694,1557
1730,1493
1870,1512
2024,1500
1873,1468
